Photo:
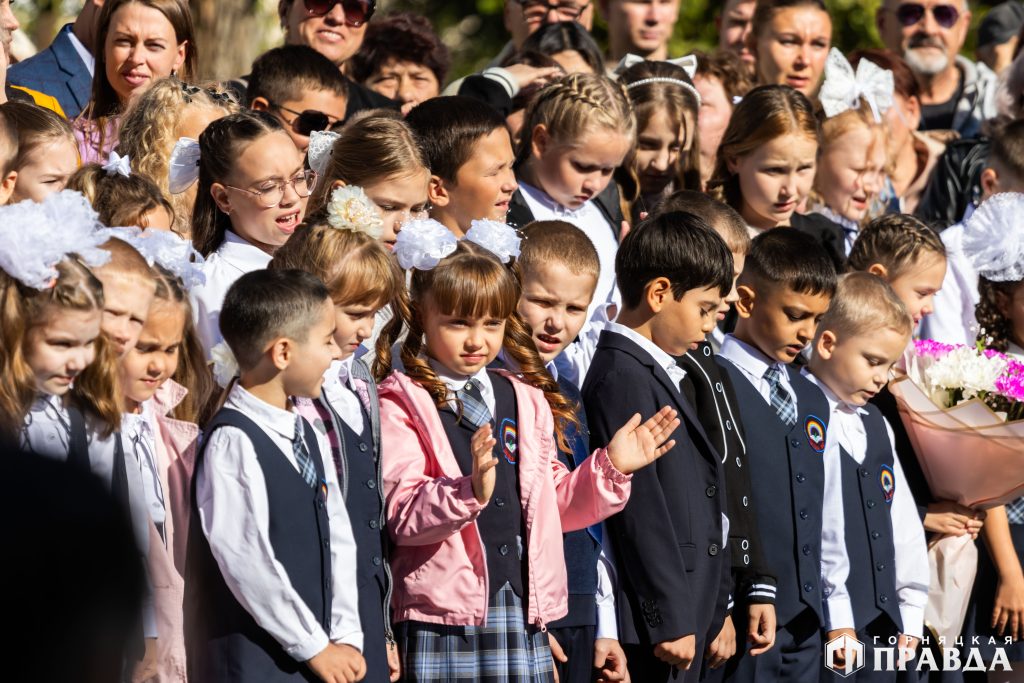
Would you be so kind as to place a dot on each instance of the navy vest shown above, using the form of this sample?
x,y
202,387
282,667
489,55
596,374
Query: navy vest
x,y
223,641
788,478
867,505
582,548
501,522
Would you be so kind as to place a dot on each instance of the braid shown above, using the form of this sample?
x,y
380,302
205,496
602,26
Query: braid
x,y
400,317
896,241
417,368
995,330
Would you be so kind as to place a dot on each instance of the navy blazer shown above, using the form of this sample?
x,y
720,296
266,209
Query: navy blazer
x,y
674,574
57,71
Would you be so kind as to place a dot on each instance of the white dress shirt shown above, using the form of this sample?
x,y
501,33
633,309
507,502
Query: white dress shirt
x,y
139,439
341,394
753,364
234,514
456,382
846,430
234,258
660,356
87,57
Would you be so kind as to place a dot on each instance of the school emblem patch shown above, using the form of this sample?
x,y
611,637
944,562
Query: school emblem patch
x,y
887,480
509,441
815,430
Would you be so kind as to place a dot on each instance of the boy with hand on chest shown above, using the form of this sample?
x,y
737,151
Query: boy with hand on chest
x,y
270,589
787,283
863,334
668,542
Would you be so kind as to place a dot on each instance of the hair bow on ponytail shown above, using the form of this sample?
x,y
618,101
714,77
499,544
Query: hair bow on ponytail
x,y
843,89
184,165
118,165
321,142
687,63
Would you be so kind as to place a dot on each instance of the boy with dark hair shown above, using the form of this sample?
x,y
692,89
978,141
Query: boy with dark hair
x,y
785,288
8,157
301,88
470,155
271,572
667,543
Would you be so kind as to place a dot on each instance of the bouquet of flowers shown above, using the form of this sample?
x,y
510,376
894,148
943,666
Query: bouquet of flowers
x,y
963,408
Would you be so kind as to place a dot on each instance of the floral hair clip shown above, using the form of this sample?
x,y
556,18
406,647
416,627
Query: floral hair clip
x,y
496,237
843,89
118,165
421,244
36,236
225,365
350,209
321,144
184,165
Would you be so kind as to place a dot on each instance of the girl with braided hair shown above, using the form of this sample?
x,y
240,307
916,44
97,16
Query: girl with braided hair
x,y
477,521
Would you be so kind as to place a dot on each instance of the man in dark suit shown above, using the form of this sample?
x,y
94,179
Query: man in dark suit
x,y
64,69
668,542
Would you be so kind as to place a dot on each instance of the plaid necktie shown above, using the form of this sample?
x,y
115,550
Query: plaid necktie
x,y
780,398
1015,511
474,409
302,458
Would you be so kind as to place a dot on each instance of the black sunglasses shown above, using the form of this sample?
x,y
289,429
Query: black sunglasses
x,y
910,13
308,121
357,12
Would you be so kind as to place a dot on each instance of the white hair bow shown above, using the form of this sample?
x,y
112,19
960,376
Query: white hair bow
x,y
166,249
993,240
321,142
421,244
117,164
687,63
843,89
184,165
496,237
225,366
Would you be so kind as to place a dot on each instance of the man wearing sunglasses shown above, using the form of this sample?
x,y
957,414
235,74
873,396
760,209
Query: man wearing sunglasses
x,y
956,93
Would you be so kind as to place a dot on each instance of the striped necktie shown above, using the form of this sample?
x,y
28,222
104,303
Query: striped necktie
x,y
780,398
474,409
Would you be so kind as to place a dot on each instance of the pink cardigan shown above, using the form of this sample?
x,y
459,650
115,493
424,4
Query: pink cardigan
x,y
438,560
176,443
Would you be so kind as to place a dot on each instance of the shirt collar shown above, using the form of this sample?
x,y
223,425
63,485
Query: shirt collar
x,y
834,403
262,413
243,253
456,382
545,200
748,358
653,350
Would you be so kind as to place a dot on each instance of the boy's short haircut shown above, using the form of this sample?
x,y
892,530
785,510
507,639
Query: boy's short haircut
x,y
719,216
8,145
865,303
1008,148
896,241
285,74
446,129
547,242
265,305
789,258
678,246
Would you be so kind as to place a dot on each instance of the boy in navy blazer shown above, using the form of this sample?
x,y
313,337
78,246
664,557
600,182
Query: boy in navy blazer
x,y
669,541
787,283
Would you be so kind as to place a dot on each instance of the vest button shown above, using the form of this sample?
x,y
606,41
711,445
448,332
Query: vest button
x,y
728,425
707,350
711,491
879,566
371,484
746,559
503,550
746,501
803,514
863,472
800,478
373,524
718,387
806,550
362,447
376,560
745,544
808,587
739,463
713,549
870,504
327,543
320,504
795,443
500,502
883,598
875,534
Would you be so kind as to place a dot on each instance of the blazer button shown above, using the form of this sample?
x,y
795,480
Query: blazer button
x,y
371,484
711,491
800,478
707,351
739,463
808,587
362,447
806,550
746,559
718,387
795,443
728,427
746,501
713,549
883,598
803,514
745,544
500,502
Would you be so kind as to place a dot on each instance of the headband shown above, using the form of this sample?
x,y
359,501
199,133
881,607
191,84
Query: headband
x,y
843,89
687,64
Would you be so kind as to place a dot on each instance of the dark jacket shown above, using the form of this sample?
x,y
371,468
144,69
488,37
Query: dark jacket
x,y
828,233
57,71
519,214
955,183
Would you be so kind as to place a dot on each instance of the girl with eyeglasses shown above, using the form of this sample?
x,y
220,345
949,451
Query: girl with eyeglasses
x,y
252,196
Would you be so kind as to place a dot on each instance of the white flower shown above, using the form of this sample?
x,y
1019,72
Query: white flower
x,y
351,209
965,369
496,237
421,244
225,367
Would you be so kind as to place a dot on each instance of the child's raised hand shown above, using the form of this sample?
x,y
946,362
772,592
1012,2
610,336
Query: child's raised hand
x,y
484,463
637,445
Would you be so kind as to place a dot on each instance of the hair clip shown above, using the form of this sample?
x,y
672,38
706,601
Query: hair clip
x,y
118,165
189,91
321,144
496,237
350,209
421,244
36,236
183,166
843,89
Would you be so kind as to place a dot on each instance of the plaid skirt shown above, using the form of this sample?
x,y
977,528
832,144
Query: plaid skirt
x,y
504,649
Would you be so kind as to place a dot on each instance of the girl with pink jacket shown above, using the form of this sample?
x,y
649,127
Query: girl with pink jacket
x,y
476,498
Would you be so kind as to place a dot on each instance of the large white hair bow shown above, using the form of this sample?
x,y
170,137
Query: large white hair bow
x,y
843,89
994,238
36,236
321,142
165,249
117,164
687,63
422,243
496,237
184,165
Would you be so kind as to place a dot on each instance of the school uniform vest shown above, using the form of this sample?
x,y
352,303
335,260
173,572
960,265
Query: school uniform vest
x,y
501,522
867,505
582,548
223,641
788,479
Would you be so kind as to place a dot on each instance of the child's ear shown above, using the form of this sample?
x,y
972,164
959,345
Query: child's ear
x,y
657,293
336,184
745,304
437,193
989,182
733,164
260,104
7,187
879,270
540,141
221,197
281,351
826,345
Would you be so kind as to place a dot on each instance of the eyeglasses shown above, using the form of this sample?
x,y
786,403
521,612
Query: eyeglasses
x,y
271,193
539,9
357,12
910,13
308,121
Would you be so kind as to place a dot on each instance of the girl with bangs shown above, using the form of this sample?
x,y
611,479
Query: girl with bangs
x,y
336,245
476,499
